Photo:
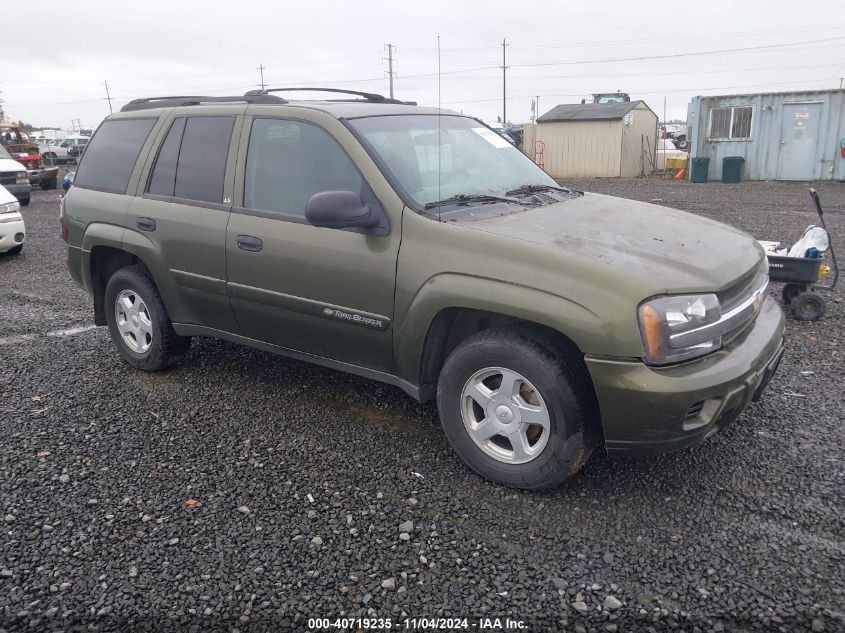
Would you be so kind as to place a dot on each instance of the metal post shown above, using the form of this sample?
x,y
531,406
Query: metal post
x,y
390,67
504,83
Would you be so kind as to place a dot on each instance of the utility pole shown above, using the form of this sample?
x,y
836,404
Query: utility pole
x,y
108,96
261,68
504,83
536,108
840,82
390,48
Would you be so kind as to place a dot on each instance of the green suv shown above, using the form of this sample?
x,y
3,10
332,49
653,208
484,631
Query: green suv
x,y
417,247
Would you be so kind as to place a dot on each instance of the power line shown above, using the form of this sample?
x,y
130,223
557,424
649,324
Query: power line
x,y
694,90
677,55
592,43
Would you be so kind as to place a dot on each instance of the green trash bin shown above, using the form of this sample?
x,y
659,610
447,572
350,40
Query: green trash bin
x,y
699,168
732,168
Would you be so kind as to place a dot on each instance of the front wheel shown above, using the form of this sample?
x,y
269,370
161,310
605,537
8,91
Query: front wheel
x,y
138,322
24,201
808,306
517,412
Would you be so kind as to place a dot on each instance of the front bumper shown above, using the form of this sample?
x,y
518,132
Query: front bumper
x,y
20,191
11,234
38,175
649,410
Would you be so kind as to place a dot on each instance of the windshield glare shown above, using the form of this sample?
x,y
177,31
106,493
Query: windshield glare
x,y
470,159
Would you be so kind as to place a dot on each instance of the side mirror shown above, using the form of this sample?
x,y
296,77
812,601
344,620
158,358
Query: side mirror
x,y
338,210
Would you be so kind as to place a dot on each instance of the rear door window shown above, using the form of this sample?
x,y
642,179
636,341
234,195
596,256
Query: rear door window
x,y
163,178
108,163
201,166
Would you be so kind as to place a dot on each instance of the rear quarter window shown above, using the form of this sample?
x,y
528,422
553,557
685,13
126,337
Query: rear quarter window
x,y
111,154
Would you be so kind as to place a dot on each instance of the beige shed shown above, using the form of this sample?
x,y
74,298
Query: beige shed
x,y
591,140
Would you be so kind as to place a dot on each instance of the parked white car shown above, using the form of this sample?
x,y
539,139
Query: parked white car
x,y
61,151
12,229
669,156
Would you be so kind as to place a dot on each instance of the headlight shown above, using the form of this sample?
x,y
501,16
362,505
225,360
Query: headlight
x,y
21,178
670,327
10,207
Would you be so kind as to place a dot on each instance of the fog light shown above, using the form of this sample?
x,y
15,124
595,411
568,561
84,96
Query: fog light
x,y
19,237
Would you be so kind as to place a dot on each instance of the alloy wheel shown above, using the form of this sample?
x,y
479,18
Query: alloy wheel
x,y
133,321
505,415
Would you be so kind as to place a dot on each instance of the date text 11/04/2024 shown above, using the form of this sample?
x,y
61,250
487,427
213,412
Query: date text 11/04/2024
x,y
417,624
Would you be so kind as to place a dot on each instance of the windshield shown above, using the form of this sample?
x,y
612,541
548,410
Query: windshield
x,y
4,153
460,158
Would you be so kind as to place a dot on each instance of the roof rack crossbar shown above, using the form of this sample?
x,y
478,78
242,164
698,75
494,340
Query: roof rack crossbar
x,y
188,100
369,96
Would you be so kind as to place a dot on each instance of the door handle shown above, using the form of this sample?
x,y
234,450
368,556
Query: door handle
x,y
145,224
249,243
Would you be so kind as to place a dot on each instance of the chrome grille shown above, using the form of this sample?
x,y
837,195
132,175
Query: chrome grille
x,y
741,290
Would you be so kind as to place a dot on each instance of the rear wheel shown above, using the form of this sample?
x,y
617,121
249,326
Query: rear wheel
x,y
47,185
515,411
808,306
790,291
138,322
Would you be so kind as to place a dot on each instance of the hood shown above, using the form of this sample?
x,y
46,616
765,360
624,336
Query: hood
x,y
6,196
7,164
663,249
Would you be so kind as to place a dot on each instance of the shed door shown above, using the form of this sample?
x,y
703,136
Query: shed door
x,y
799,133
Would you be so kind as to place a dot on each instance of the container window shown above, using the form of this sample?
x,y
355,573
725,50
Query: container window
x,y
731,123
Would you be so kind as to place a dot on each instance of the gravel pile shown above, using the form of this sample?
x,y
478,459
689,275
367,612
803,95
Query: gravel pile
x,y
246,491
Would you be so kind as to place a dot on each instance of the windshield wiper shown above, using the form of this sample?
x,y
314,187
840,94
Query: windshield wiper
x,y
535,188
466,198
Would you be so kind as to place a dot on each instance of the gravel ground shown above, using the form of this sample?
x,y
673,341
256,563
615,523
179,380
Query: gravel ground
x,y
246,491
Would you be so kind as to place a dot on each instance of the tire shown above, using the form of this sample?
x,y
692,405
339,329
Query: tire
x,y
49,155
808,306
24,201
15,250
790,291
157,346
48,185
547,381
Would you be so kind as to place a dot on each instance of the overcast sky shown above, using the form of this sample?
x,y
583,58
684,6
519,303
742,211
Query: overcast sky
x,y
54,67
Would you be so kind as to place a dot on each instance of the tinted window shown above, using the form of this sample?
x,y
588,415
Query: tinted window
x,y
288,162
202,158
114,149
163,177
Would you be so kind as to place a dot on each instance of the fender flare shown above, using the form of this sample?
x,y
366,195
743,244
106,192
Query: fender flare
x,y
445,291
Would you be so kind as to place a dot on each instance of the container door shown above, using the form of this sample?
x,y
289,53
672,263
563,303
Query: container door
x,y
799,133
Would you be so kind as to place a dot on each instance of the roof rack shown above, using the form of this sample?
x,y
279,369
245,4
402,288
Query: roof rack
x,y
175,101
369,96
